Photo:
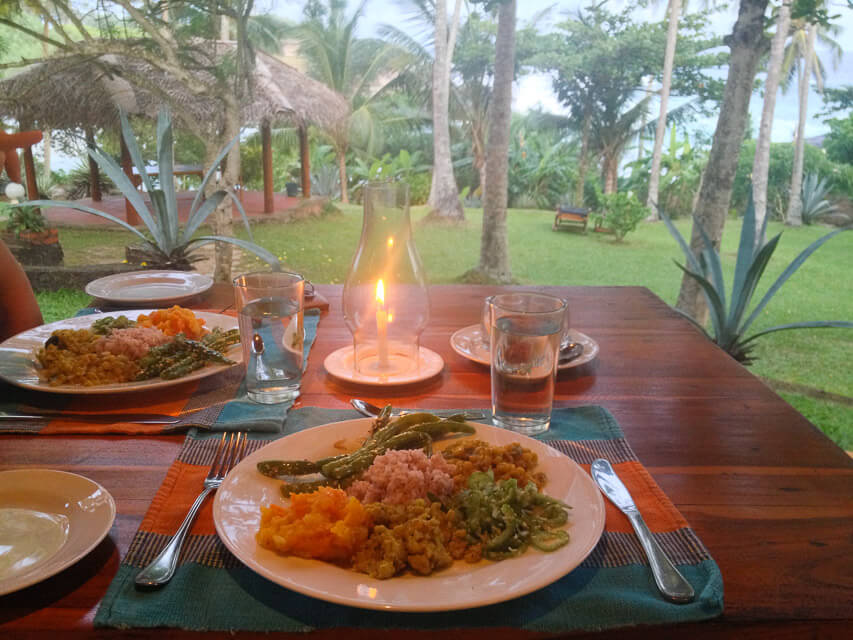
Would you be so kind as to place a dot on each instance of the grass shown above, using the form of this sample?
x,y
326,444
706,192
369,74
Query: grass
x,y
322,248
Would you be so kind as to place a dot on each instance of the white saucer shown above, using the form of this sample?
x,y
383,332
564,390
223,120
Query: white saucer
x,y
468,343
340,365
149,288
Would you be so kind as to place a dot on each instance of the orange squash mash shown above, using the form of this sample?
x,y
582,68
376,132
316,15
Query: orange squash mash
x,y
174,321
326,524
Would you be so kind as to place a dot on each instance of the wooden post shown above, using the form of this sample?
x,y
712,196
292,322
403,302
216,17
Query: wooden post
x,y
305,161
130,214
30,171
266,149
94,178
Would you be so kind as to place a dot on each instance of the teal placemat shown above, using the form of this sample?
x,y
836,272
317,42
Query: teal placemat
x,y
613,587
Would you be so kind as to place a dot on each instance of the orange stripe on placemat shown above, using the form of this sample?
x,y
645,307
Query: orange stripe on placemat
x,y
656,508
182,485
169,401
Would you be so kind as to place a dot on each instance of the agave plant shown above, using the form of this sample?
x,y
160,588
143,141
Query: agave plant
x,y
814,193
729,318
166,245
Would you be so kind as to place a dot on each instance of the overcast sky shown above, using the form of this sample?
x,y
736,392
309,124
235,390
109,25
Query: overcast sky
x,y
533,91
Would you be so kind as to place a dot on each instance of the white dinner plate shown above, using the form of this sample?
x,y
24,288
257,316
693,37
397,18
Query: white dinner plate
x,y
48,521
149,288
236,512
19,366
468,343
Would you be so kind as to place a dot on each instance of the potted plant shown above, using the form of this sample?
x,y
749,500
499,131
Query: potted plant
x,y
30,238
166,245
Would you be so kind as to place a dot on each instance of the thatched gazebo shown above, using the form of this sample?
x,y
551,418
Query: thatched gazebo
x,y
84,92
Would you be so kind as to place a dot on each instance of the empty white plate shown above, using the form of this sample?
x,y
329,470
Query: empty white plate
x,y
149,288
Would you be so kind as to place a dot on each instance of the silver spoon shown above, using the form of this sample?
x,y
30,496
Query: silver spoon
x,y
569,352
371,411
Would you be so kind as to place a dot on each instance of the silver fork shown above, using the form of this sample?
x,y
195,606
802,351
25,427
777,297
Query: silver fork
x,y
162,568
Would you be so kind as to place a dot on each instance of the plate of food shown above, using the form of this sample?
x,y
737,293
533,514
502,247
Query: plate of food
x,y
471,342
121,351
48,521
149,288
481,515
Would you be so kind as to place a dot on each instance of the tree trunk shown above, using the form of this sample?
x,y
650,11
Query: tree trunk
x,y
666,82
611,172
45,50
342,175
761,162
494,245
583,161
223,217
795,203
747,44
444,193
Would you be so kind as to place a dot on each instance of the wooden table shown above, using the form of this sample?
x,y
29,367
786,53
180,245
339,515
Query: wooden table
x,y
768,494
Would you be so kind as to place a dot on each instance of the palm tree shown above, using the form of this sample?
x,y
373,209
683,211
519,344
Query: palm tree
x,y
444,193
358,69
610,132
666,82
494,243
761,162
802,63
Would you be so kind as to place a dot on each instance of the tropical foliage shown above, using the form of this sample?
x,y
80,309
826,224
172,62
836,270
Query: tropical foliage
x,y
730,316
167,244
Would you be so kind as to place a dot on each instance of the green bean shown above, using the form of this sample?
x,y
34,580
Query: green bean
x,y
403,424
277,468
444,427
289,488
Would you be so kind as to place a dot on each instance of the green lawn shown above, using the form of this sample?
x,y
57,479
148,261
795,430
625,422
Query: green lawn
x,y
816,360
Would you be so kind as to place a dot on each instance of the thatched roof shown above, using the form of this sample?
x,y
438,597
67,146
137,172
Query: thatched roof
x,y
71,92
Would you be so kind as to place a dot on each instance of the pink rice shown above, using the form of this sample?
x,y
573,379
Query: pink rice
x,y
398,477
133,342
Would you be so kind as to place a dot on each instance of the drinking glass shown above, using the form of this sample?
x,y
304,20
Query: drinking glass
x,y
485,329
526,330
270,314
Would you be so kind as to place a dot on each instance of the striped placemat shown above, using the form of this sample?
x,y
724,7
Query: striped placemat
x,y
613,587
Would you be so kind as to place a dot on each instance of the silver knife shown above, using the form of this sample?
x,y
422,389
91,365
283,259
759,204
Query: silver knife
x,y
99,418
669,580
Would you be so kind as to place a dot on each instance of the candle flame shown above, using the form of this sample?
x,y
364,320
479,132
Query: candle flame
x,y
390,242
380,292
390,317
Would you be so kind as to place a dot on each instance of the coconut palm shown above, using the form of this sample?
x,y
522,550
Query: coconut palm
x,y
801,63
359,69
674,11
761,162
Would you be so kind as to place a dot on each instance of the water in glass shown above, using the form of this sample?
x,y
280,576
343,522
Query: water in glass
x,y
274,353
523,372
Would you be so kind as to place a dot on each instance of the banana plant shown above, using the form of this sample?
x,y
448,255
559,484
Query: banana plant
x,y
166,244
729,319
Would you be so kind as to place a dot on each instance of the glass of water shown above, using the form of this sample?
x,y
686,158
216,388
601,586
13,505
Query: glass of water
x,y
525,331
270,313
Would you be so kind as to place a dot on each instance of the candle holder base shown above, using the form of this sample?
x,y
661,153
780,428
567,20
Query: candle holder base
x,y
341,364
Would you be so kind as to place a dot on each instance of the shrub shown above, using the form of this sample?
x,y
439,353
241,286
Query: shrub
x,y
620,213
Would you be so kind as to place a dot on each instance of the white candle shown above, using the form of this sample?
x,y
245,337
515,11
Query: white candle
x,y
381,326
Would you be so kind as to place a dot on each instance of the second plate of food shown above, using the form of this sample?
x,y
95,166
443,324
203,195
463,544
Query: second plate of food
x,y
237,514
19,365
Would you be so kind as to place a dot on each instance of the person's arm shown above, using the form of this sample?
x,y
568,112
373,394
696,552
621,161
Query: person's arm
x,y
19,310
